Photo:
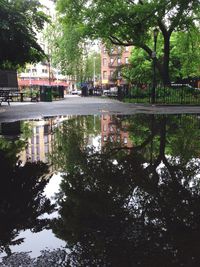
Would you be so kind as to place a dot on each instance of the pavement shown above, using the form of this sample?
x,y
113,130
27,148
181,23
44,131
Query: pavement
x,y
76,105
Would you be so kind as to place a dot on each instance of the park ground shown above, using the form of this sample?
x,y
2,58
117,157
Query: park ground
x,y
75,105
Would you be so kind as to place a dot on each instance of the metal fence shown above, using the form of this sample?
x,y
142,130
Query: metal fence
x,y
177,94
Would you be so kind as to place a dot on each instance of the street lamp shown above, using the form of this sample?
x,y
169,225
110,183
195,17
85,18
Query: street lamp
x,y
94,71
155,35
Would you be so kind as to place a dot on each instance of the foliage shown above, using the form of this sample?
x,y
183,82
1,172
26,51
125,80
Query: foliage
x,y
93,60
53,258
73,135
132,23
185,54
184,59
71,52
139,71
20,19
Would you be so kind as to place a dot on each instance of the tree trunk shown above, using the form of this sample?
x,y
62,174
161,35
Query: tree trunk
x,y
163,64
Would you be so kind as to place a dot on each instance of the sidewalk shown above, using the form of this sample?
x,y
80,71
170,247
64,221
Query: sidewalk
x,y
75,105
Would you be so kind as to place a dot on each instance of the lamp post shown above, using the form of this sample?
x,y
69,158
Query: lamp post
x,y
94,73
153,96
49,70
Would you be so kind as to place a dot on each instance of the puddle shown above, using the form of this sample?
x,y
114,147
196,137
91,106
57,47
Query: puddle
x,y
110,190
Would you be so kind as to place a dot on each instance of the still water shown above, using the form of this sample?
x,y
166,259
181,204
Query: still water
x,y
100,191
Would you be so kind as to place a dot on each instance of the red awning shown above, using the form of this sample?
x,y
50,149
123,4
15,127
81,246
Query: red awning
x,y
41,82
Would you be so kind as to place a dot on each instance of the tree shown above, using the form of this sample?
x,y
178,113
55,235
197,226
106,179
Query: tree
x,y
20,19
184,59
132,22
71,52
92,66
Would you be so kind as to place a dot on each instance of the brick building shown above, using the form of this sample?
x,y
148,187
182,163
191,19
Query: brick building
x,y
113,129
111,63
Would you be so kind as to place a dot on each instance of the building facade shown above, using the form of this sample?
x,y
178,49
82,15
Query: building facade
x,y
112,62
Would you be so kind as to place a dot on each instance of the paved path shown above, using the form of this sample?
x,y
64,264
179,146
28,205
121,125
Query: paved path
x,y
83,106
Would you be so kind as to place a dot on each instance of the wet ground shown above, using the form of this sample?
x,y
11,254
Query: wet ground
x,y
74,105
118,188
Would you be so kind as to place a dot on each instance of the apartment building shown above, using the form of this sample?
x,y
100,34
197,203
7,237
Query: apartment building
x,y
112,61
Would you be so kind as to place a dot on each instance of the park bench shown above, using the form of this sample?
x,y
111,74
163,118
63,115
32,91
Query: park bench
x,y
5,96
10,94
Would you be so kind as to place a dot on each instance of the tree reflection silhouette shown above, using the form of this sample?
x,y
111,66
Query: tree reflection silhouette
x,y
21,200
132,207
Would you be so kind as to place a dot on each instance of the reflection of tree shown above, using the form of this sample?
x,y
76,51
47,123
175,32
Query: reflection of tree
x,y
133,209
21,199
54,258
72,137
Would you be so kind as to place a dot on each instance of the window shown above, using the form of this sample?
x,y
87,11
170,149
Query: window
x,y
119,49
32,150
34,70
126,49
105,138
125,140
44,70
111,73
119,60
119,74
32,140
104,74
104,50
46,139
104,61
37,129
126,60
111,138
111,128
111,60
37,139
46,149
104,128
37,150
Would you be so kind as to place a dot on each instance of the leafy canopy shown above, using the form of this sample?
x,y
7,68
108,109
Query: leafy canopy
x,y
132,22
20,20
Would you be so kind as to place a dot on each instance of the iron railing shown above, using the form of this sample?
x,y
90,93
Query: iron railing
x,y
177,94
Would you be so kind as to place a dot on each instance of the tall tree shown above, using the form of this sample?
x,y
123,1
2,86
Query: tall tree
x,y
132,22
20,19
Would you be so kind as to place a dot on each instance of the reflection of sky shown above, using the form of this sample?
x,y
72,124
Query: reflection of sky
x,y
35,242
53,186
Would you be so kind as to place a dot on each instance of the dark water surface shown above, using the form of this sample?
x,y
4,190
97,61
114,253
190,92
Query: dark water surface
x,y
100,191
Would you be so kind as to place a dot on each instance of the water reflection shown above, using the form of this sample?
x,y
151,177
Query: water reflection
x,y
22,184
130,199
131,205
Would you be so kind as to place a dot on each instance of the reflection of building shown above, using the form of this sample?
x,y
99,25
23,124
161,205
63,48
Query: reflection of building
x,y
111,64
114,129
40,143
